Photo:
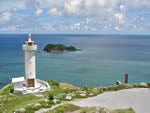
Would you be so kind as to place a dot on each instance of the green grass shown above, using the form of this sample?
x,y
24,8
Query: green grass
x,y
64,108
130,110
10,102
67,86
73,108
6,90
14,102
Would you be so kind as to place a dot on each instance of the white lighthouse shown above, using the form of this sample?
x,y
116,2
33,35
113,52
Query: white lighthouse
x,y
30,84
30,64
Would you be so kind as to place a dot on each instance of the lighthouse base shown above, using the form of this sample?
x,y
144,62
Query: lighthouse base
x,y
23,88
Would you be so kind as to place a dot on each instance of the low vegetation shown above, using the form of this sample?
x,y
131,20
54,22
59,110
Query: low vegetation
x,y
65,108
69,108
10,102
7,90
130,110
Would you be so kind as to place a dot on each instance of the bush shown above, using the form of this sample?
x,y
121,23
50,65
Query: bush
x,y
52,82
65,108
45,104
6,90
11,90
67,90
29,110
85,88
148,85
50,102
51,96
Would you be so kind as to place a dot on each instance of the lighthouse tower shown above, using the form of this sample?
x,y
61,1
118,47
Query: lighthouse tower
x,y
30,65
30,84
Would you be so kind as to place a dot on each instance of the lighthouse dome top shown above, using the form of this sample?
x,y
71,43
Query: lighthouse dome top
x,y
29,39
29,35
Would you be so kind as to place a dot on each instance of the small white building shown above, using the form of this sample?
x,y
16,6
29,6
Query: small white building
x,y
18,82
30,84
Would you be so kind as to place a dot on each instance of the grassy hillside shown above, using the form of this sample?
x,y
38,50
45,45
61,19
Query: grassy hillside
x,y
67,86
10,102
69,108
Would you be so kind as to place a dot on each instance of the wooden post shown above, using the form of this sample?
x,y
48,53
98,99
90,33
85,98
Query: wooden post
x,y
126,78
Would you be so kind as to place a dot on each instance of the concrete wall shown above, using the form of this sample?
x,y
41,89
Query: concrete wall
x,y
18,85
43,83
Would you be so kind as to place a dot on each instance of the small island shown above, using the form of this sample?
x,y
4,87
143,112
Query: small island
x,y
59,48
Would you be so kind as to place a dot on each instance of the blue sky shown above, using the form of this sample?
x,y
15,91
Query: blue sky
x,y
75,16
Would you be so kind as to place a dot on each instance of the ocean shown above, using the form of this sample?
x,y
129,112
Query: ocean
x,y
102,60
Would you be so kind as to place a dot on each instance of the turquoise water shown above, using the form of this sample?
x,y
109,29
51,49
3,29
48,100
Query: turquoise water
x,y
103,59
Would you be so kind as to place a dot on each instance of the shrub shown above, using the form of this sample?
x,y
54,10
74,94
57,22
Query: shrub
x,y
44,104
85,88
65,108
52,82
148,85
67,90
29,110
50,102
51,96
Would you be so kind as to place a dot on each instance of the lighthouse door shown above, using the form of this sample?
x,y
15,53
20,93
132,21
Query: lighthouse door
x,y
30,82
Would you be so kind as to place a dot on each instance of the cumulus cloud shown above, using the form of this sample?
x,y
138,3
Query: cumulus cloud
x,y
72,6
47,27
33,4
120,17
5,16
142,18
9,28
117,28
54,12
79,15
123,8
75,26
38,12
136,3
9,5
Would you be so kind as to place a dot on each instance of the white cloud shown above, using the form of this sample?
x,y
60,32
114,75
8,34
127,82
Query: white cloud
x,y
105,27
72,6
54,12
101,2
142,18
47,27
117,28
32,4
120,17
87,20
5,16
123,8
75,26
51,3
9,28
93,29
81,15
136,3
9,5
38,12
